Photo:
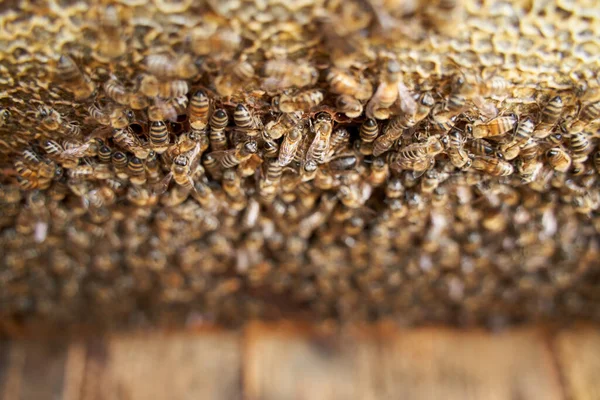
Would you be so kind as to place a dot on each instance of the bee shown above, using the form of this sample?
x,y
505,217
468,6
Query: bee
x,y
243,119
78,84
511,149
121,117
232,184
369,130
111,43
290,145
343,83
24,170
31,157
282,74
93,171
138,101
392,132
308,171
141,196
242,152
597,161
348,105
379,172
116,91
549,117
199,110
135,167
319,148
270,149
152,168
72,129
172,89
166,67
386,94
559,159
218,122
119,160
127,140
205,196
211,164
343,163
591,111
580,146
454,142
273,171
492,166
49,118
4,117
284,123
159,136
149,85
98,115
417,156
300,101
234,77
496,127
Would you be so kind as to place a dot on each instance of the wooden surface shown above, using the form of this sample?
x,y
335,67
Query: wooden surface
x,y
286,361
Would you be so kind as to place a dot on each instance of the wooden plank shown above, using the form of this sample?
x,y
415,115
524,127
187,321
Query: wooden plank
x,y
159,366
446,364
43,371
13,374
578,354
286,363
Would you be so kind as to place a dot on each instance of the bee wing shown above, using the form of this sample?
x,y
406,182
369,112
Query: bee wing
x,y
162,186
76,152
101,132
406,101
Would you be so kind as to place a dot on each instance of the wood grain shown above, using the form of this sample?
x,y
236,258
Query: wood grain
x,y
578,354
290,361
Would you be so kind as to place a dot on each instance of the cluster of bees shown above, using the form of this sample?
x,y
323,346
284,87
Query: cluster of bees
x,y
357,160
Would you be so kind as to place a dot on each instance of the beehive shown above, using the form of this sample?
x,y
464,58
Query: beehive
x,y
425,161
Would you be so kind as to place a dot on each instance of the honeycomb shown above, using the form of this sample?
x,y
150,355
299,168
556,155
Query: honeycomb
x,y
216,161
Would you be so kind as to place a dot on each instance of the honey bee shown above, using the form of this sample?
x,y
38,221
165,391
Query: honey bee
x,y
580,146
492,166
236,75
273,171
559,159
348,105
454,142
319,148
211,164
379,172
282,74
549,117
343,163
98,115
199,110
166,67
77,83
116,91
369,130
128,141
300,101
417,156
5,117
597,161
49,118
392,132
121,117
111,43
386,94
496,127
218,122
591,111
284,123
93,171
343,83
290,145
172,89
308,171
270,149
135,167
24,170
141,196
159,137
242,152
244,119
119,160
